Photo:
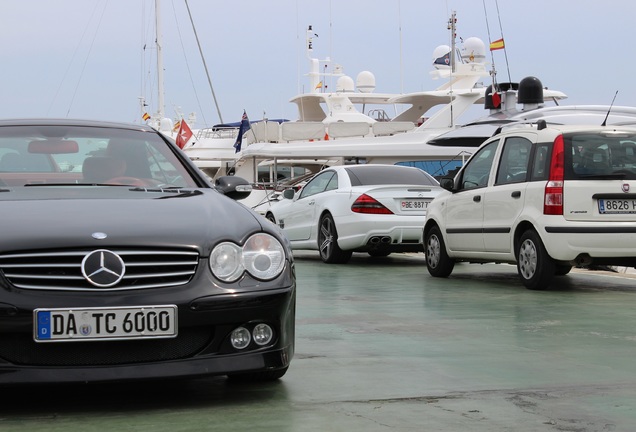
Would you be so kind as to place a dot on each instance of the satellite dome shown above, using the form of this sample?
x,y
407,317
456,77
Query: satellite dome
x,y
345,84
441,56
473,50
365,82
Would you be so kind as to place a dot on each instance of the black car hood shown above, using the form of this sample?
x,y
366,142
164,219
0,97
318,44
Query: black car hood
x,y
67,217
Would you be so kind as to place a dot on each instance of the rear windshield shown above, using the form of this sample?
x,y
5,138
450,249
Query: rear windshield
x,y
600,155
376,175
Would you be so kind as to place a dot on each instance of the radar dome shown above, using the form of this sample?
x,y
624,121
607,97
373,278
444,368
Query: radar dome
x,y
365,82
344,84
530,91
441,56
473,50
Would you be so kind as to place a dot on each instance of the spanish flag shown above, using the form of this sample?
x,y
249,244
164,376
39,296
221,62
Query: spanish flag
x,y
146,116
319,85
497,45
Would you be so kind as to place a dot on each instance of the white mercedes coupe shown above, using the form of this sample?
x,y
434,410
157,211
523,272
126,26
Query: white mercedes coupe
x,y
377,209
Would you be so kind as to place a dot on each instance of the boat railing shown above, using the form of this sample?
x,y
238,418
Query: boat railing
x,y
217,132
274,132
391,128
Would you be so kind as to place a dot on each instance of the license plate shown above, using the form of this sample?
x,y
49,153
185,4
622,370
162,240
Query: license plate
x,y
92,324
414,204
617,206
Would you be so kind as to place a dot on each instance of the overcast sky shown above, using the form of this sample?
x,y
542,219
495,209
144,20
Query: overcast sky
x,y
86,58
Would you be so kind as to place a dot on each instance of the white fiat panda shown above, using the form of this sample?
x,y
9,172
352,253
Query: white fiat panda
x,y
546,197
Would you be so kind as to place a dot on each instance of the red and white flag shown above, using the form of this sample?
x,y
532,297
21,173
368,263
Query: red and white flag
x,y
184,134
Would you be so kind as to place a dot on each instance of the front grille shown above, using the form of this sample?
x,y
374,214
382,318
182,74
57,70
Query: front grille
x,y
21,349
61,270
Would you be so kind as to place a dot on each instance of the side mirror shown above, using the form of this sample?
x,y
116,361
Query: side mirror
x,y
447,183
236,188
288,193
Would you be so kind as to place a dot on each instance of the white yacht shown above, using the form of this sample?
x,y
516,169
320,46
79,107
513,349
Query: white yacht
x,y
354,124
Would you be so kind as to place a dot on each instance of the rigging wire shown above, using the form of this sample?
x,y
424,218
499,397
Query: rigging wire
x,y
79,43
502,36
90,49
204,64
196,95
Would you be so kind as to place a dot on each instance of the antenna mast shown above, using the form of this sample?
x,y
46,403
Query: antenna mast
x,y
159,43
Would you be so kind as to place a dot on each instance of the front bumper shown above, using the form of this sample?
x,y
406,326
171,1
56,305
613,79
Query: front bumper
x,y
202,346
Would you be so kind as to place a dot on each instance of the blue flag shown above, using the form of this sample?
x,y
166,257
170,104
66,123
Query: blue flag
x,y
244,127
443,60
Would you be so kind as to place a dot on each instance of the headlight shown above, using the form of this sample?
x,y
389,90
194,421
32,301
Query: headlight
x,y
262,256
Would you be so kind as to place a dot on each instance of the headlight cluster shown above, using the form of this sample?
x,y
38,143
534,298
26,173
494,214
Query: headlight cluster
x,y
262,256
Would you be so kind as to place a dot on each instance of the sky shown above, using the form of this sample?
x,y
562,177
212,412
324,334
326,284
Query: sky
x,y
96,59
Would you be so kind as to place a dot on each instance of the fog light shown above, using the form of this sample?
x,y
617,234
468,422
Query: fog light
x,y
240,338
262,334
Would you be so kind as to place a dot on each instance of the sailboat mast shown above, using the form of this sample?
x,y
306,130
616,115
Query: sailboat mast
x,y
159,43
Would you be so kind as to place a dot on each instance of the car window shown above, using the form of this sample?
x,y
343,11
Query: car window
x,y
368,175
318,184
598,154
514,162
477,169
541,162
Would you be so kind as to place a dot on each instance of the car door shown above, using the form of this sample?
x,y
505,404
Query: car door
x,y
301,217
465,208
504,200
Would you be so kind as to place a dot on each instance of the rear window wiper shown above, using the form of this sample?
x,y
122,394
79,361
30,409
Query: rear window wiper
x,y
609,176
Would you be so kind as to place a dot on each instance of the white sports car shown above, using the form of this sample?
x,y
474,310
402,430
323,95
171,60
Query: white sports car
x,y
378,209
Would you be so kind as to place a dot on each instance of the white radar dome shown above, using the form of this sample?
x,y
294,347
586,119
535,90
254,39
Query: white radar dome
x,y
344,84
365,82
473,50
441,56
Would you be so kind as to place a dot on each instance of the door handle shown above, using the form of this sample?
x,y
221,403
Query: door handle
x,y
477,198
312,202
516,194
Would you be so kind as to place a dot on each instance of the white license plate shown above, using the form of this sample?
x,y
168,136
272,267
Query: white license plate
x,y
617,206
414,204
90,324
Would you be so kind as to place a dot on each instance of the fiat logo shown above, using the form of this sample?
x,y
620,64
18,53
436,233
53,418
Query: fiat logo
x,y
625,187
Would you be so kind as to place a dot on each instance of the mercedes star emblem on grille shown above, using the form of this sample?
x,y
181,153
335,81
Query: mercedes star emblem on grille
x,y
103,268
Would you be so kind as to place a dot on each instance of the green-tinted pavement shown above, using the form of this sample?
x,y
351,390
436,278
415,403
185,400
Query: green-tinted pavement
x,y
383,346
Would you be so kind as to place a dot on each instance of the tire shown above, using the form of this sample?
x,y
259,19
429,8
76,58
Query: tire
x,y
437,261
534,265
330,252
258,376
270,217
562,270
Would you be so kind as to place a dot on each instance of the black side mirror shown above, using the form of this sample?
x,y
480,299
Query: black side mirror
x,y
234,187
447,183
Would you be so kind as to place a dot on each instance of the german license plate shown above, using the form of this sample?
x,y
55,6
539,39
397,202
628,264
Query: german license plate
x,y
92,324
414,204
617,206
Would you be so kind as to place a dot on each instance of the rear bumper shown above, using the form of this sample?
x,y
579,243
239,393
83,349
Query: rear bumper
x,y
615,244
396,239
406,234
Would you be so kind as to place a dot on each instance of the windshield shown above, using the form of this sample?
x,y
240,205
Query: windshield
x,y
41,155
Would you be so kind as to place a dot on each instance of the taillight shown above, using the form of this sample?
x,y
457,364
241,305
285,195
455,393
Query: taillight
x,y
553,197
366,204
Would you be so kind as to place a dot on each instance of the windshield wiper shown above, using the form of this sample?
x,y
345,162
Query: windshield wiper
x,y
73,184
609,176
